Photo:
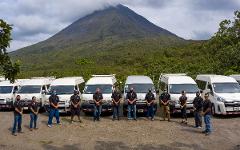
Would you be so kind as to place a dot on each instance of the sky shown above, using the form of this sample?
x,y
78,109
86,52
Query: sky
x,y
36,20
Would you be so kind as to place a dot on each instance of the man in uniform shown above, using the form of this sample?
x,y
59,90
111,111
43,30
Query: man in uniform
x,y
75,101
197,106
97,97
34,109
131,99
53,102
150,98
164,101
183,106
18,112
207,106
116,97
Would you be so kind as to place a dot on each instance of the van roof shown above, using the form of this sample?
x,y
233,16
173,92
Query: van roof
x,y
102,79
236,76
68,81
176,79
139,79
37,82
8,83
216,78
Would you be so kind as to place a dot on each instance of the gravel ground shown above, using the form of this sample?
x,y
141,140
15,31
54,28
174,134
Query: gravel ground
x,y
123,134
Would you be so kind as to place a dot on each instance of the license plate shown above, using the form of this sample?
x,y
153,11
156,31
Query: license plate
x,y
140,110
229,109
235,108
25,108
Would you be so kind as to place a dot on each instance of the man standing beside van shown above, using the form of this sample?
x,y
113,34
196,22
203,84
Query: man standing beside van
x,y
207,106
18,112
53,101
116,97
75,101
131,99
34,109
97,97
183,106
164,101
150,104
197,106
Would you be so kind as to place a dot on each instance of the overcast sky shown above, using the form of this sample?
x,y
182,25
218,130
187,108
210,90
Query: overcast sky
x,y
37,20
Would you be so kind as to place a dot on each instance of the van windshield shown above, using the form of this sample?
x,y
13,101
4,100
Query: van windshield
x,y
30,89
226,87
6,89
140,88
178,88
63,89
91,89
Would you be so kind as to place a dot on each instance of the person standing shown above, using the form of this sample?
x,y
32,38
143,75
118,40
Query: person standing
x,y
18,112
131,99
75,101
164,101
34,109
97,97
116,98
197,106
207,106
150,98
183,106
54,112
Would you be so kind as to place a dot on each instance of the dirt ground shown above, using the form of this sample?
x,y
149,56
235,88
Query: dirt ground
x,y
123,134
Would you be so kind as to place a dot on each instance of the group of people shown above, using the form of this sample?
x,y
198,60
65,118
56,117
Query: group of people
x,y
201,105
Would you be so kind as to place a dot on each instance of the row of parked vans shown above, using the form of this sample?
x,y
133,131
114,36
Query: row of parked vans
x,y
224,91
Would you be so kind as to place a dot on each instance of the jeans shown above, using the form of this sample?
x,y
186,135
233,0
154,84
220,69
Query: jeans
x,y
150,111
97,111
116,110
17,123
208,126
198,118
53,113
184,113
33,120
132,110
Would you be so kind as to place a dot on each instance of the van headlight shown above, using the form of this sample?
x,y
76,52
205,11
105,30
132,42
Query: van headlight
x,y
8,99
220,99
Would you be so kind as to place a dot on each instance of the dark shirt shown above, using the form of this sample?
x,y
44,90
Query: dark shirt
x,y
116,96
207,104
183,100
131,96
34,106
19,106
198,103
75,99
164,97
149,97
97,97
53,99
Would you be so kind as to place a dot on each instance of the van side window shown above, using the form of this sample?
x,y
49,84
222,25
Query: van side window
x,y
201,84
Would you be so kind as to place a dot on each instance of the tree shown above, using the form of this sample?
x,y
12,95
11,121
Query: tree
x,y
7,67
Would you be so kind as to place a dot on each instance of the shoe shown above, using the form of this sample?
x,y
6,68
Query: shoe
x,y
199,127
31,129
49,125
71,122
135,119
113,119
207,133
186,122
59,123
152,119
80,121
14,134
118,119
204,131
20,132
182,121
129,118
169,120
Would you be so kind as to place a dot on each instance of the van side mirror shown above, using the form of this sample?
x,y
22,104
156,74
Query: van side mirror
x,y
43,92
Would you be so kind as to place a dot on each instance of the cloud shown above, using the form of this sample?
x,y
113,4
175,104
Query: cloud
x,y
36,20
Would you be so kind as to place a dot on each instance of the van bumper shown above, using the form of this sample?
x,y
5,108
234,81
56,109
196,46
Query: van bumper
x,y
89,107
140,107
6,105
174,109
227,108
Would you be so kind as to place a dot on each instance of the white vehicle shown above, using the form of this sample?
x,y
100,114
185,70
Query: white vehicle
x,y
8,92
141,85
224,93
65,88
236,77
175,84
106,85
37,87
2,78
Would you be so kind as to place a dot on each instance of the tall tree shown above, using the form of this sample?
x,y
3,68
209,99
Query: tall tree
x,y
7,67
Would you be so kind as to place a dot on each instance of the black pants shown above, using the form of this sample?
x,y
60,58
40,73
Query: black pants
x,y
184,113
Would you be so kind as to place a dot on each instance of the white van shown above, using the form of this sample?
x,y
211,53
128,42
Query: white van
x,y
141,85
65,88
2,78
106,85
175,84
37,87
236,77
8,92
224,93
